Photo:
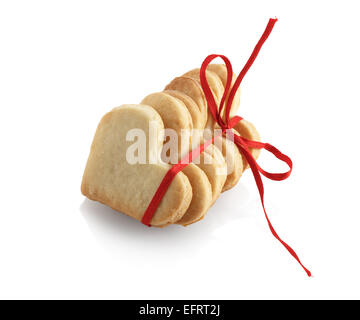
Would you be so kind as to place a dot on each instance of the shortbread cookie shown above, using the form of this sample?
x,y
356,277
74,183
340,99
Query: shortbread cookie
x,y
214,82
175,116
197,117
234,163
221,71
202,195
216,87
193,89
114,177
232,156
217,155
214,166
247,130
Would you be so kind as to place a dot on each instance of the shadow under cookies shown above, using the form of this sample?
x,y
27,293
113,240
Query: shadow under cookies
x,y
114,230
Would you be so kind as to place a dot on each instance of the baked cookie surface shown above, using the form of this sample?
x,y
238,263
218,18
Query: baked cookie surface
x,y
110,179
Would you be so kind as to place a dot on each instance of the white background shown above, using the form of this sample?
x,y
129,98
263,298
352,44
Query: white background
x,y
63,64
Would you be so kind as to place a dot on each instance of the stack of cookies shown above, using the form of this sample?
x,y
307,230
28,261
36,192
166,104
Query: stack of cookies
x,y
133,149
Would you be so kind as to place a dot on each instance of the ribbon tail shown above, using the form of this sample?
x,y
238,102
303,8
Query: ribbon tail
x,y
254,168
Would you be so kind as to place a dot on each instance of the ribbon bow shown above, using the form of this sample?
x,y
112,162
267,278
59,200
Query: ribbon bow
x,y
226,125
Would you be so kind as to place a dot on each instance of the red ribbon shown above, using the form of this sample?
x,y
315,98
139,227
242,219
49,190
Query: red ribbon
x,y
242,143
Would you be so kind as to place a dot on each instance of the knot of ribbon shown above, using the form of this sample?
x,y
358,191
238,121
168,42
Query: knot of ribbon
x,y
242,143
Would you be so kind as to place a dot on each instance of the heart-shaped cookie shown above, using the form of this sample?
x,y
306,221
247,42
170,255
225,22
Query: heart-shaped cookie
x,y
175,116
206,185
114,176
128,186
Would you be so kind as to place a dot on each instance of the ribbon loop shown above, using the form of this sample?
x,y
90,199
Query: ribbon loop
x,y
277,153
215,112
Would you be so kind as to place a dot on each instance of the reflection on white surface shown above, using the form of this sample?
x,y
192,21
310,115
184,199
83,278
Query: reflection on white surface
x,y
114,229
